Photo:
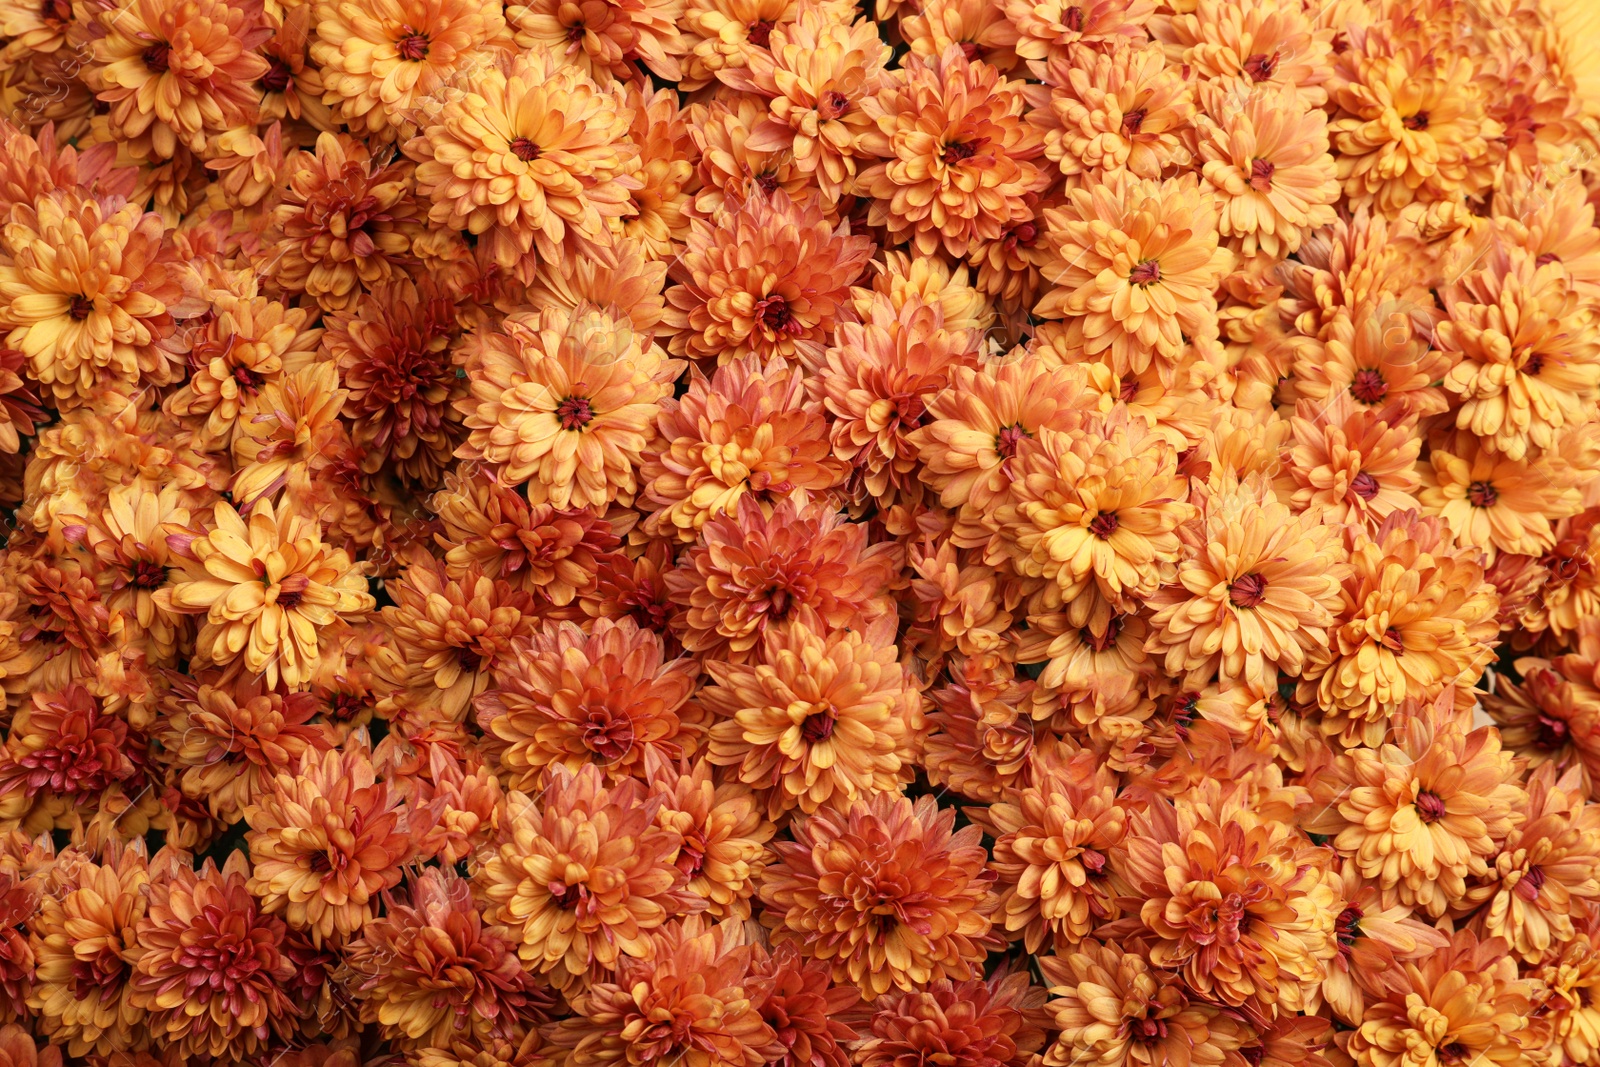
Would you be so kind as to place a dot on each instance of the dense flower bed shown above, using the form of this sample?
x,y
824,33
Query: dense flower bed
x,y
727,533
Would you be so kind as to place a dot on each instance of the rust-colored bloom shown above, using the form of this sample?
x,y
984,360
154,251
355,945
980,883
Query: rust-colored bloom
x,y
210,967
804,1008
885,892
178,71
581,877
768,277
819,719
960,158
325,843
723,831
64,744
268,589
564,402
994,1023
430,970
573,699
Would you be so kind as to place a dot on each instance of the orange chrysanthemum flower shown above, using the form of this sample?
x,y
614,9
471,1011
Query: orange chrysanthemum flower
x,y
994,1023
980,30
748,430
723,831
210,967
816,74
176,72
431,971
268,588
819,719
1047,28
1494,502
1238,44
960,155
767,278
1135,263
570,699
565,402
533,155
381,61
1257,588
886,893
1122,109
1351,464
1416,617
749,573
729,168
583,878
325,843
604,38
1376,354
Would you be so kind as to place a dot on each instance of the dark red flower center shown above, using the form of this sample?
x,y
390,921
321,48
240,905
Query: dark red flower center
x,y
1261,172
1021,236
576,32
691,854
1008,439
320,863
250,381
1347,927
1147,1031
1419,121
99,977
344,707
1253,1054
1367,385
56,10
767,182
1072,19
1552,733
1103,642
1393,640
1104,524
1260,66
1546,259
413,47
80,307
1093,861
760,32
607,736
956,152
574,413
1430,806
1482,495
571,897
1133,122
1534,366
278,75
1533,881
1248,591
1364,485
292,590
157,58
971,49
1454,1053
1128,390
774,314
146,574
1145,273
525,150
818,726
832,105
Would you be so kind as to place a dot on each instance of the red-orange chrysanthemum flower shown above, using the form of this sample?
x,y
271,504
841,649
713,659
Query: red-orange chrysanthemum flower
x,y
994,1023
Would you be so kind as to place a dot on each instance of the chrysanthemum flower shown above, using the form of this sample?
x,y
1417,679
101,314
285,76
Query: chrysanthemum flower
x,y
886,892
1269,164
1410,124
1373,939
1257,587
956,602
288,431
877,379
291,88
724,33
1054,841
981,733
633,283
532,155
994,1023
748,430
906,278
1049,28
35,28
87,292
981,30
227,738
749,573
1416,617
960,156
1571,590
549,554
1122,109
1465,1004
429,970
393,352
1351,464
564,402
1494,502
819,719
723,831
447,633
693,1001
816,75
1095,666
1097,509
84,940
1554,222
129,539
731,170
804,1008
325,843
1545,875
1378,357
525,1048
1573,1004
65,744
209,967
604,38
1364,260
567,698
1425,812
580,878
345,221
768,278
657,220
1238,44
1112,1008
1526,353
381,61
267,587
1135,263
177,71
1240,901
